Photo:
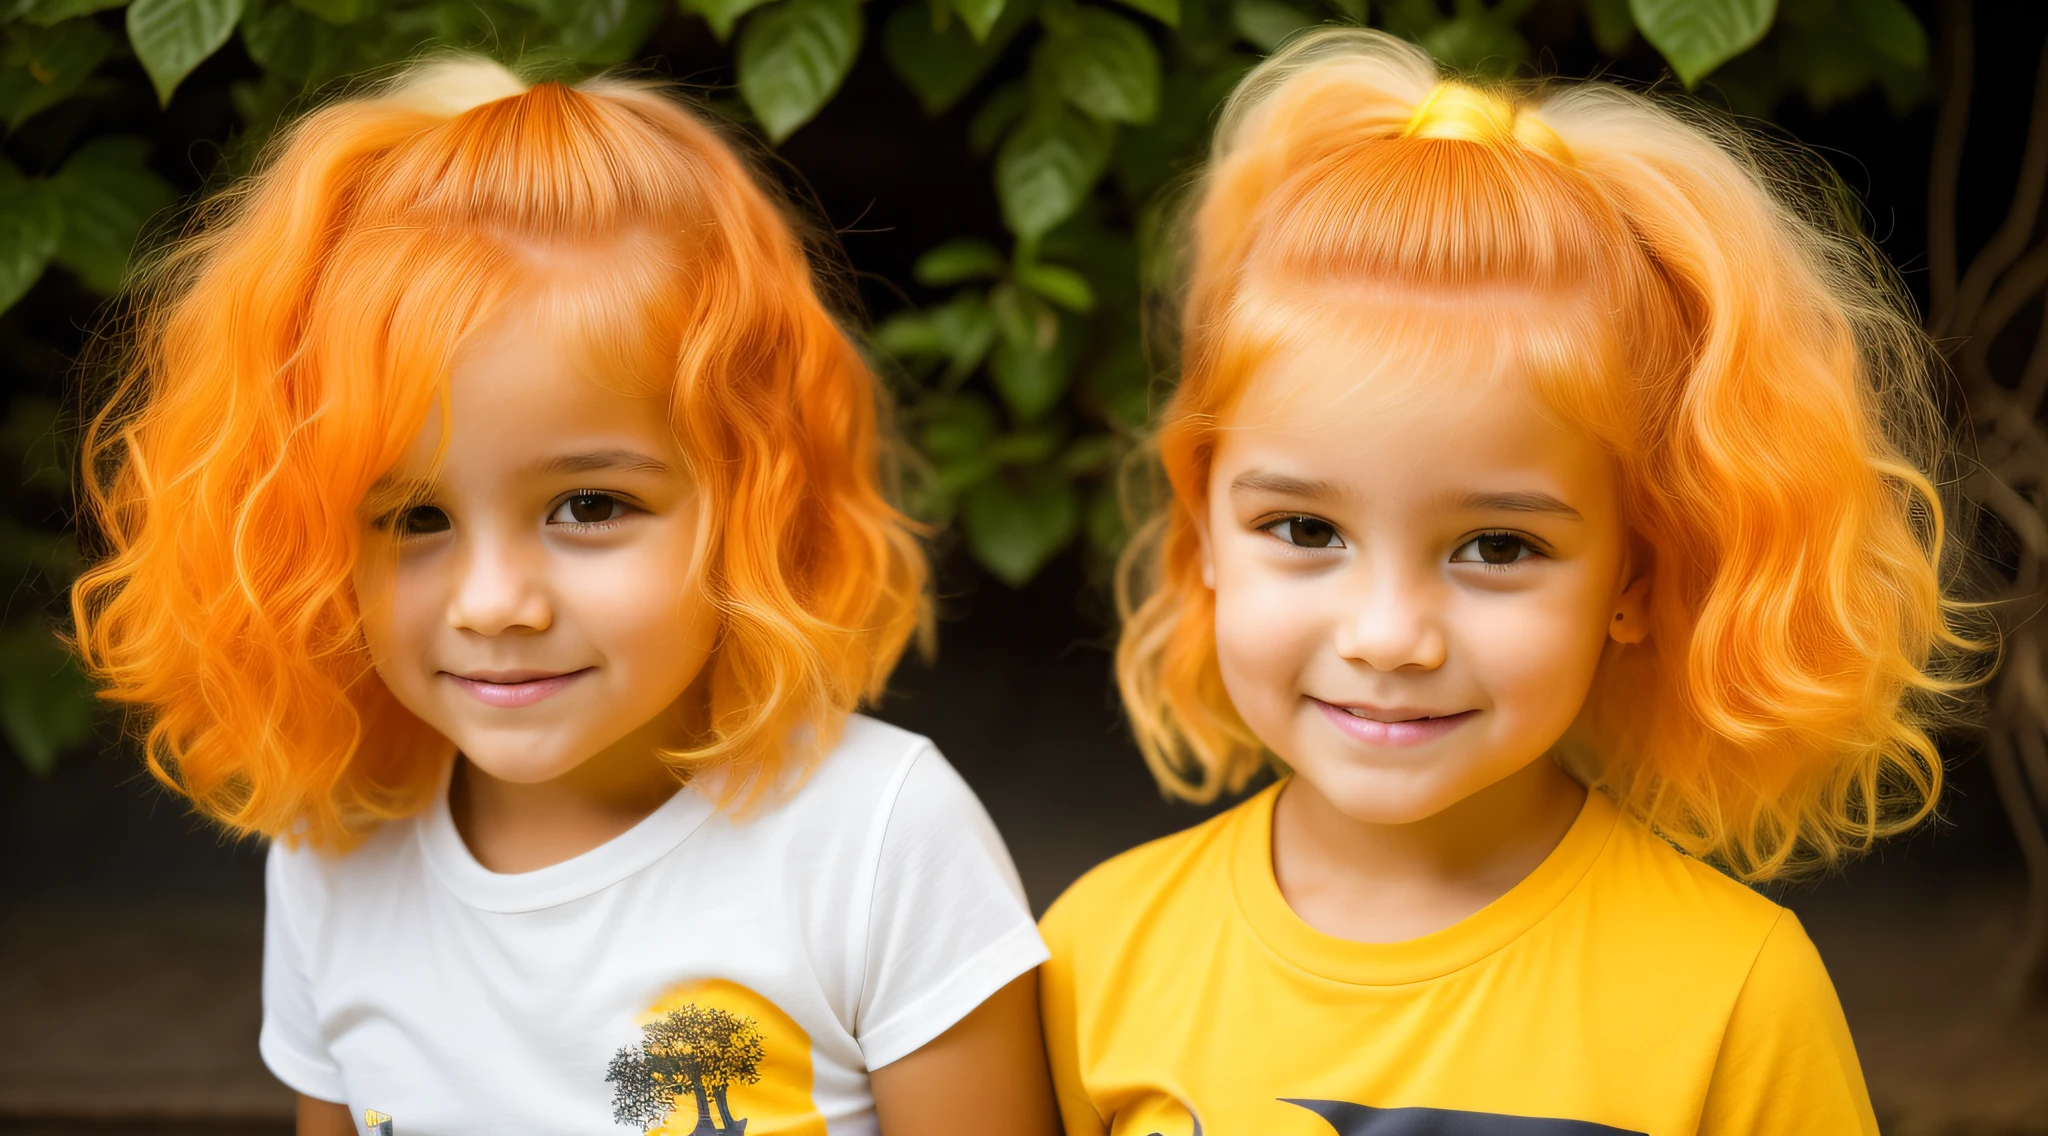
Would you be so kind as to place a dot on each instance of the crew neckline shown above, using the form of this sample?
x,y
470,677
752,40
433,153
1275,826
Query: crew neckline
x,y
656,835
1434,955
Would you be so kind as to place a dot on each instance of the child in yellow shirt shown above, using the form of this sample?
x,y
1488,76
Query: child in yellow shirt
x,y
1552,507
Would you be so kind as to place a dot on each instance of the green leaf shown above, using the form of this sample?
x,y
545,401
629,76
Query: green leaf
x,y
31,225
289,41
171,37
262,102
1090,455
44,66
1120,387
1612,25
336,11
957,261
29,435
1696,36
1892,29
1047,166
980,16
959,331
1029,447
960,429
1266,24
940,66
46,13
601,31
107,192
792,56
1002,111
721,14
46,704
1107,529
1062,285
1102,63
1033,362
1353,11
1146,158
1483,40
1165,11
1014,526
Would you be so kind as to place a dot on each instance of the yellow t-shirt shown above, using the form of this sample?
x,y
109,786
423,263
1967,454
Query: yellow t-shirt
x,y
1621,988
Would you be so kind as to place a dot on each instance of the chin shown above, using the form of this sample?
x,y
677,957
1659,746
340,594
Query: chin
x,y
1380,796
521,766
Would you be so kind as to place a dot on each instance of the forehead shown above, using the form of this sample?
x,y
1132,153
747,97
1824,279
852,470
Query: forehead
x,y
1409,399
529,384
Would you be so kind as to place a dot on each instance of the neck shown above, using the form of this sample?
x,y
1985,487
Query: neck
x,y
513,826
1381,883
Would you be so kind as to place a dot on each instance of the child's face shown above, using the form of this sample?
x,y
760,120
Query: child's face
x,y
541,604
1415,578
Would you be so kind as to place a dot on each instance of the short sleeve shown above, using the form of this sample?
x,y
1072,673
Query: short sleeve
x,y
948,924
290,1041
1787,1064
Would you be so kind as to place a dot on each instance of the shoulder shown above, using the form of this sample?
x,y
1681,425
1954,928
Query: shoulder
x,y
1123,893
868,764
1689,888
1666,904
303,882
877,783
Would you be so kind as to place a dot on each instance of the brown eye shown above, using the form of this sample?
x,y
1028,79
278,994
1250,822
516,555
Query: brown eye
x,y
1306,532
1496,549
421,520
588,509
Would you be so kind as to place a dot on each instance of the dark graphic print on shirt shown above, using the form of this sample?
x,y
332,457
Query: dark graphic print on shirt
x,y
714,1058
1363,1120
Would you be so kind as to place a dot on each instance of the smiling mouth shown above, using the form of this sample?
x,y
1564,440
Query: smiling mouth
x,y
509,690
1397,727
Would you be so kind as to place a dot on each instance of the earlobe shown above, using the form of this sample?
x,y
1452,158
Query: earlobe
x,y
1631,622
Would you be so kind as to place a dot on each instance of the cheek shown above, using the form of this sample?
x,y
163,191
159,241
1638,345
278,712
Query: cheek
x,y
1268,627
1536,659
648,614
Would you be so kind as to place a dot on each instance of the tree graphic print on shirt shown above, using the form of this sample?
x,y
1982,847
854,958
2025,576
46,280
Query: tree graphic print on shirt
x,y
696,1051
714,1058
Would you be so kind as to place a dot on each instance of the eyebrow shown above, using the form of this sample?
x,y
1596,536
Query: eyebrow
x,y
1531,502
618,461
1285,485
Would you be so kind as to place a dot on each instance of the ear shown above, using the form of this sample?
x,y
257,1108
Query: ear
x,y
1631,622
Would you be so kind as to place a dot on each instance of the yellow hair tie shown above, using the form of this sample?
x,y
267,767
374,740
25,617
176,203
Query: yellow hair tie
x,y
1464,113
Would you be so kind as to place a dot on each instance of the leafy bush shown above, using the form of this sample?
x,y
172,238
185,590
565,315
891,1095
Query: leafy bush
x,y
1022,388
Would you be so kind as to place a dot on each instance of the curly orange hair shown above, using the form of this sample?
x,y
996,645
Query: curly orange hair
x,y
1709,318
287,348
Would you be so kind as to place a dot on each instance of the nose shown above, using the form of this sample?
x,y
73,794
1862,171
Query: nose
x,y
500,590
1391,622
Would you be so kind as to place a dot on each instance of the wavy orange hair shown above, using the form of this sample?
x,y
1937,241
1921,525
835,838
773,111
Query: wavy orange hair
x,y
286,350
1707,317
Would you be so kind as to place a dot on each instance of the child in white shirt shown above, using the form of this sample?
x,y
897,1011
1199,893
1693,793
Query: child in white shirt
x,y
495,520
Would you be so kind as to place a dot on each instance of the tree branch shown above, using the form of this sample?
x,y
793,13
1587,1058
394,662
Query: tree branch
x,y
1958,73
2013,236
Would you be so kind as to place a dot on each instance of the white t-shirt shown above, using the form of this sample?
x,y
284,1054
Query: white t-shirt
x,y
744,971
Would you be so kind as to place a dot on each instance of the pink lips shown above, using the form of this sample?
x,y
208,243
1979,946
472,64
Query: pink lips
x,y
512,689
1414,731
